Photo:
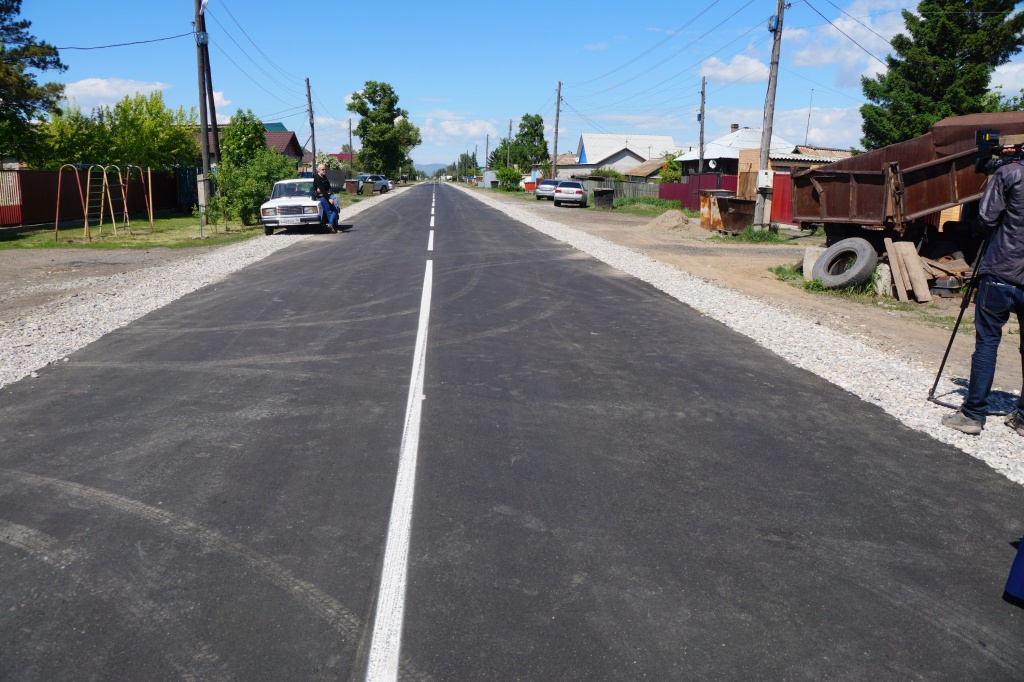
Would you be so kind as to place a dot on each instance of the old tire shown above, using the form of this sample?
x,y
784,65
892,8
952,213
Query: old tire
x,y
847,263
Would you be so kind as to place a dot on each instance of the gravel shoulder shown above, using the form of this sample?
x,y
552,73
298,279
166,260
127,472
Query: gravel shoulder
x,y
822,335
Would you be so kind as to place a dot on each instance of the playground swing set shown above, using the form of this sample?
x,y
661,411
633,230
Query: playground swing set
x,y
106,194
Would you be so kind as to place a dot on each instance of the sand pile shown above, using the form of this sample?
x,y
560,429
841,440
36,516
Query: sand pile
x,y
677,223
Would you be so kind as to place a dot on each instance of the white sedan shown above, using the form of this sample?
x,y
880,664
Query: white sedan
x,y
291,204
570,192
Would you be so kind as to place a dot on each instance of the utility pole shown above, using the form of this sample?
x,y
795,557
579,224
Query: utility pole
x,y
508,146
209,92
700,164
487,149
351,151
808,129
775,26
558,110
204,141
312,134
475,162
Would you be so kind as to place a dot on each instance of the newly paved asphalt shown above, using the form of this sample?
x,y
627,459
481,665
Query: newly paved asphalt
x,y
609,486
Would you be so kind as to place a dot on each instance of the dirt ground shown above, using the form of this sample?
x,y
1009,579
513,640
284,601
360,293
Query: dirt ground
x,y
30,278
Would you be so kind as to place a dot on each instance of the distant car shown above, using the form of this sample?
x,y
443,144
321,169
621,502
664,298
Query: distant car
x,y
379,182
568,191
291,204
546,189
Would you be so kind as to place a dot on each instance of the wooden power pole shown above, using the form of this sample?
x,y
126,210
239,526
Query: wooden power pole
x,y
558,109
775,26
312,134
351,151
700,164
508,146
204,141
487,149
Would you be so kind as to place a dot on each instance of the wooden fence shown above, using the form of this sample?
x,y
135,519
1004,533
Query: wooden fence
x,y
623,189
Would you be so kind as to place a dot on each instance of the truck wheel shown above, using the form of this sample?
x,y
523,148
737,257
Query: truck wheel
x,y
847,263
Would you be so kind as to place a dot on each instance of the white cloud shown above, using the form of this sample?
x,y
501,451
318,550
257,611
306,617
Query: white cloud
x,y
444,128
839,128
94,92
596,46
219,100
742,69
1010,77
871,23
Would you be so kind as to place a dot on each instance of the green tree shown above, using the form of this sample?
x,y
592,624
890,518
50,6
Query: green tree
x,y
672,171
327,160
509,178
243,187
142,131
530,142
22,98
942,68
386,133
244,139
609,174
70,136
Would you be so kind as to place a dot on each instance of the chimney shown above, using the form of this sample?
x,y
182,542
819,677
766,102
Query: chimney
x,y
734,127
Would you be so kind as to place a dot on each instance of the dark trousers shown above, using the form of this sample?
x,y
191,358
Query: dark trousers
x,y
996,300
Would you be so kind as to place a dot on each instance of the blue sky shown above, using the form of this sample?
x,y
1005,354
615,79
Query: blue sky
x,y
463,69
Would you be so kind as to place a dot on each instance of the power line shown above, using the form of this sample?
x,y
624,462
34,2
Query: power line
x,y
242,50
870,54
254,44
246,74
137,42
670,36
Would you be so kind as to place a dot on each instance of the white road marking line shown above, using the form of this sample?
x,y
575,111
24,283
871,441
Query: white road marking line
x,y
431,210
430,242
386,640
431,221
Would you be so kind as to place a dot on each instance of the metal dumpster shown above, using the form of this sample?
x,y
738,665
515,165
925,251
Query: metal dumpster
x,y
604,197
895,187
710,216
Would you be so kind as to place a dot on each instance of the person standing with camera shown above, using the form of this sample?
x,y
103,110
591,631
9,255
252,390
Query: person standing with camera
x,y
1000,292
322,192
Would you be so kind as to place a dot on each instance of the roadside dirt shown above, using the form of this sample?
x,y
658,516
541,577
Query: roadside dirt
x,y
32,278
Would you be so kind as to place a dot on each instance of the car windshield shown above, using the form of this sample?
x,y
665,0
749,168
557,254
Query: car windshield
x,y
292,189
549,182
571,185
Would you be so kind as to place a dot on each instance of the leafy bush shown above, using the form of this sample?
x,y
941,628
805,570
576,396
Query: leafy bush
x,y
786,272
609,173
508,179
243,188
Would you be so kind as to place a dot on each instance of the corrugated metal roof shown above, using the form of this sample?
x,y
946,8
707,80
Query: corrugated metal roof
x,y
830,152
729,146
596,147
647,168
812,158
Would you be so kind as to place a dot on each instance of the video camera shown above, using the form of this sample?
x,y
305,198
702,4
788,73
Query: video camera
x,y
991,154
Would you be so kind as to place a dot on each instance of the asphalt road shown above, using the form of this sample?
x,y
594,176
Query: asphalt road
x,y
594,483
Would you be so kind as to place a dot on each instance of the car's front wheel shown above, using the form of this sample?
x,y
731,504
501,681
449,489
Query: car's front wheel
x,y
557,202
268,230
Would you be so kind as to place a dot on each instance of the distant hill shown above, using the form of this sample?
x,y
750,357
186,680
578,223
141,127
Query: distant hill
x,y
430,168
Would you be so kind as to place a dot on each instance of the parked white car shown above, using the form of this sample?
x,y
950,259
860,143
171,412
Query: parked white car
x,y
291,204
570,192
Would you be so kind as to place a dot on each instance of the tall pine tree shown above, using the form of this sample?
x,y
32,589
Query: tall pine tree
x,y
942,68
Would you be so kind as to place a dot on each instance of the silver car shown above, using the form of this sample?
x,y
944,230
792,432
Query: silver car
x,y
379,183
545,189
570,192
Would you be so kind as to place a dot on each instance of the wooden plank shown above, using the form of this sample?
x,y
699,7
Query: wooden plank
x,y
811,255
898,281
918,278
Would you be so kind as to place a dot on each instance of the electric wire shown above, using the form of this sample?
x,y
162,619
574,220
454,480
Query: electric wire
x,y
866,51
256,45
137,42
281,85
672,34
246,73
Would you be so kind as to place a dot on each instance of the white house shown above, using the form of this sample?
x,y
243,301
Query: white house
x,y
618,152
725,151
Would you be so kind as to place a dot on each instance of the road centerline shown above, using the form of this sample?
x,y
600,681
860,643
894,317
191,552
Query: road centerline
x,y
386,639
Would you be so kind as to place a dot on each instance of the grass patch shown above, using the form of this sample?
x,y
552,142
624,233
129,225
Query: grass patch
x,y
170,231
751,236
787,272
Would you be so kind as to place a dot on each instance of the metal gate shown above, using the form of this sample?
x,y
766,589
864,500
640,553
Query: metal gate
x,y
10,198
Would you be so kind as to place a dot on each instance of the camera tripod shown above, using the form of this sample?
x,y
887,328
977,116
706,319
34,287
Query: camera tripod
x,y
971,286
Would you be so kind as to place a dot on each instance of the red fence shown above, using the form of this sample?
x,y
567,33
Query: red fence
x,y
688,191
30,197
782,198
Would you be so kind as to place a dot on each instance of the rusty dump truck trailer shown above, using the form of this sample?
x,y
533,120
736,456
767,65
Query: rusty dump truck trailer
x,y
896,191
